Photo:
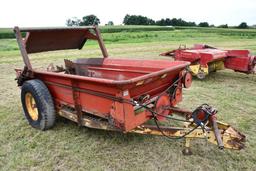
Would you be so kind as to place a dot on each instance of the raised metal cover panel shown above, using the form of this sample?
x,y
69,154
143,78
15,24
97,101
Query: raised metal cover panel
x,y
40,40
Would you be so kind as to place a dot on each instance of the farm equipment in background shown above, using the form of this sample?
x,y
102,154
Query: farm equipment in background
x,y
206,59
112,94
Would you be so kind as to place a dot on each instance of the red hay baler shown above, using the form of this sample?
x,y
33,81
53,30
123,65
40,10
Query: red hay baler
x,y
112,94
205,59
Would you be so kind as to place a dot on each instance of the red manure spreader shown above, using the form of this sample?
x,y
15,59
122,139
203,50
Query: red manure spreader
x,y
112,94
206,59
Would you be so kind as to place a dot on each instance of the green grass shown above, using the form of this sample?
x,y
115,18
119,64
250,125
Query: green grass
x,y
132,28
68,147
6,33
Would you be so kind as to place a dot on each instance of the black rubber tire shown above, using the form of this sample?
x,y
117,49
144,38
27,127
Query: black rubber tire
x,y
201,75
44,103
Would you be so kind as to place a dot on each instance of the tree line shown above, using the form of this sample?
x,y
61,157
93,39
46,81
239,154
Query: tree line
x,y
143,20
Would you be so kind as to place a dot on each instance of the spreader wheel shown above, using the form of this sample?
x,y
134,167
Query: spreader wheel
x,y
187,79
187,151
37,104
201,75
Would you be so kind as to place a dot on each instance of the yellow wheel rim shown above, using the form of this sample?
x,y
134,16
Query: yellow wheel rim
x,y
31,106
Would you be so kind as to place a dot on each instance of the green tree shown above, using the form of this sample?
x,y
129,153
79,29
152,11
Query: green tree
x,y
243,25
160,22
73,21
86,21
110,23
174,22
89,20
223,26
192,24
203,24
137,20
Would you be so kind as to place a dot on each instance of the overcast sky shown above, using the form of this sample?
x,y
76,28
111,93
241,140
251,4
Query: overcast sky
x,y
55,12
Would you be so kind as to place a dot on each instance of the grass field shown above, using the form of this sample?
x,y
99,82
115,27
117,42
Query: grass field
x,y
68,147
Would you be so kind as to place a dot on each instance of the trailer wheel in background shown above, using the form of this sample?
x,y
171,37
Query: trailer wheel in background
x,y
37,104
201,75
